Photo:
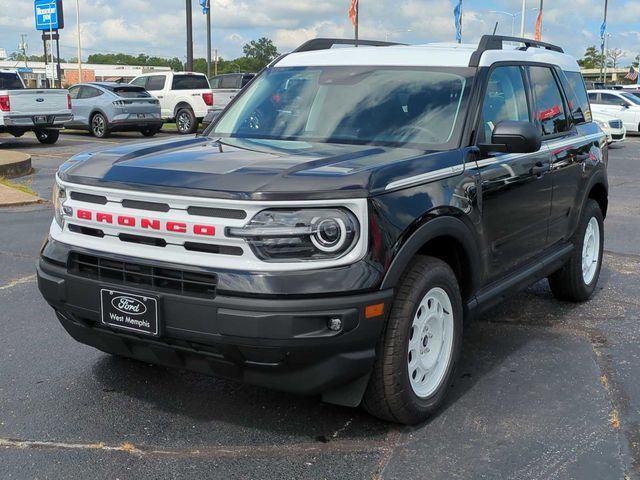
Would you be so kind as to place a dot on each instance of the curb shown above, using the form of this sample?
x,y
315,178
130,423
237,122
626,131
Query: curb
x,y
14,164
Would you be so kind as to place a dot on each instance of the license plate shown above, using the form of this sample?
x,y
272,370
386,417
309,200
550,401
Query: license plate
x,y
141,115
40,119
128,311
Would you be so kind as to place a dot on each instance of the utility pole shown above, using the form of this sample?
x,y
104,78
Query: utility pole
x,y
603,29
524,12
79,42
215,63
189,66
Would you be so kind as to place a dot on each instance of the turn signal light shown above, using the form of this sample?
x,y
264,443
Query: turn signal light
x,y
372,311
5,105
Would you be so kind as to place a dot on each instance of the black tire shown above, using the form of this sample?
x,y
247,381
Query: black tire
x,y
569,282
186,121
47,136
150,131
99,126
390,394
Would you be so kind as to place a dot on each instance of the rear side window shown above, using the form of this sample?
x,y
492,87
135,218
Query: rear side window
x,y
215,82
74,92
10,81
246,79
156,82
189,82
230,81
89,92
549,103
593,98
577,94
504,99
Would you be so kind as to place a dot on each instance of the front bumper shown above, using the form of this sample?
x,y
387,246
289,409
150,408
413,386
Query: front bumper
x,y
275,342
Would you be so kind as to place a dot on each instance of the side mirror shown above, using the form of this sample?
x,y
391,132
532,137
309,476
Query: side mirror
x,y
514,137
624,105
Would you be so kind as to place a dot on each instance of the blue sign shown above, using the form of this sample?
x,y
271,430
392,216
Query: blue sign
x,y
49,14
24,70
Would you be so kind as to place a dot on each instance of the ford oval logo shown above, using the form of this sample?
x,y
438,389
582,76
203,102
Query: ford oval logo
x,y
40,100
128,305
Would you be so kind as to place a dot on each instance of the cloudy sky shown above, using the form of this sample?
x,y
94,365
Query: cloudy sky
x,y
156,27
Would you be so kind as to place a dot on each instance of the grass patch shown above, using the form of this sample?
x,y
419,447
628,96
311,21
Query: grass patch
x,y
17,186
169,126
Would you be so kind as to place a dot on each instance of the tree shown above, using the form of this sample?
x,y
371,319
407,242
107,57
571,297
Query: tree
x,y
592,58
613,56
259,53
141,60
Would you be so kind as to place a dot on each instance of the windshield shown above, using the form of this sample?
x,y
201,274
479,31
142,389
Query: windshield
x,y
631,98
353,105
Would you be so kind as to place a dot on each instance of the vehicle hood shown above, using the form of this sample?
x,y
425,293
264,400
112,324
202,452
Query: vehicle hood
x,y
252,169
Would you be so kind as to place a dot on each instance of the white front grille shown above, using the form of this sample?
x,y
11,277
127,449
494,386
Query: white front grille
x,y
192,230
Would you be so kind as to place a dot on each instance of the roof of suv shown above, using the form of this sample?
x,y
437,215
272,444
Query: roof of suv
x,y
449,55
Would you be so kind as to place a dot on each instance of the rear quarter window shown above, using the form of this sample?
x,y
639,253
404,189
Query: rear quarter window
x,y
190,82
577,97
10,81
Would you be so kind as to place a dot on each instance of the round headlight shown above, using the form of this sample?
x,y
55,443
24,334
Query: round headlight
x,y
330,234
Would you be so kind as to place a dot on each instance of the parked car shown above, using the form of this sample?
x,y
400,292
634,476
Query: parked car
x,y
106,107
331,239
612,127
618,103
226,87
184,97
41,111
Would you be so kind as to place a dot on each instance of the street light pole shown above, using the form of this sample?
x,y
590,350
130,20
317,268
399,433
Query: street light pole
x,y
524,12
208,38
79,42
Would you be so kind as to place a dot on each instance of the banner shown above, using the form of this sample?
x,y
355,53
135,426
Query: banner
x,y
457,15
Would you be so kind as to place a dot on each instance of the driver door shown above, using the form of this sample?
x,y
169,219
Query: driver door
x,y
515,191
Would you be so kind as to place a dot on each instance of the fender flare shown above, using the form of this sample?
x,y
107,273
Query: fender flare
x,y
431,229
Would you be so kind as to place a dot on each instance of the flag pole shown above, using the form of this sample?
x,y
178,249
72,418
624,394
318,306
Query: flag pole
x,y
208,6
357,20
602,37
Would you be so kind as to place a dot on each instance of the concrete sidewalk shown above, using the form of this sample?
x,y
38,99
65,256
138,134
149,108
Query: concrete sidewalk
x,y
11,197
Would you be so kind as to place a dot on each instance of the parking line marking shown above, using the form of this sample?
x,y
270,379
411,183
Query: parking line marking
x,y
222,451
18,281
89,140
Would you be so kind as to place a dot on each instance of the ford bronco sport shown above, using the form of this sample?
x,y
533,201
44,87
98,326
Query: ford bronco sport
x,y
337,223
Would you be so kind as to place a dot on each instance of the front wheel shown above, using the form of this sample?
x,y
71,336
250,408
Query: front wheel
x,y
48,136
418,351
577,279
186,121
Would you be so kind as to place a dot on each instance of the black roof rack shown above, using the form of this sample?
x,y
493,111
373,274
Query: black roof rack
x,y
327,43
495,42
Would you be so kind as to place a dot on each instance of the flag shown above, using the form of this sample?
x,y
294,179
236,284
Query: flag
x,y
538,33
353,11
457,15
632,75
205,6
603,28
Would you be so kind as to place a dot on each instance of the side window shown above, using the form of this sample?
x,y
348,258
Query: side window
x,y
577,95
74,92
593,98
139,82
610,99
215,82
230,81
89,92
505,99
156,82
549,103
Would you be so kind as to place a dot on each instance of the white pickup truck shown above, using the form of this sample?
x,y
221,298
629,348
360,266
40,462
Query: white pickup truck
x,y
43,112
184,97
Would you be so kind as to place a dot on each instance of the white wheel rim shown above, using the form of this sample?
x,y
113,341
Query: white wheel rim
x,y
430,343
590,251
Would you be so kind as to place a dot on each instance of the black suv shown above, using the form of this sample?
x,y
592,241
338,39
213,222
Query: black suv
x,y
338,222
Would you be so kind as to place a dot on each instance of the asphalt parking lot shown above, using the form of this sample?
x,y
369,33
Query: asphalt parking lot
x,y
545,389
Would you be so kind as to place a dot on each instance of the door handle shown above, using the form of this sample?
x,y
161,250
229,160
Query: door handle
x,y
539,169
